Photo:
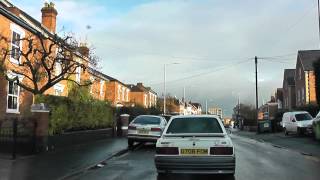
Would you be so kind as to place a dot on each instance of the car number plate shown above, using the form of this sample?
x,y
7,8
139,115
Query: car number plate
x,y
143,132
194,151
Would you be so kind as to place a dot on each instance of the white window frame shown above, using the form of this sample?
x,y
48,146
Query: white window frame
x,y
119,92
145,100
123,93
101,88
16,111
127,95
15,28
58,88
11,76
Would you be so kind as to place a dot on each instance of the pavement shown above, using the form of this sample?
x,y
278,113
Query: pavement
x,y
62,163
303,144
254,160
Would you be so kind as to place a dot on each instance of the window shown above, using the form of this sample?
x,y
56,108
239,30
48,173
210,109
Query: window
x,y
119,92
127,95
13,97
101,88
145,100
78,74
16,44
123,94
194,125
58,89
146,120
303,117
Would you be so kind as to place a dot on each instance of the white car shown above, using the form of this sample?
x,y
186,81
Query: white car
x,y
145,128
196,144
299,122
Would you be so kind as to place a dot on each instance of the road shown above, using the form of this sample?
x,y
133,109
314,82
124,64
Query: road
x,y
255,160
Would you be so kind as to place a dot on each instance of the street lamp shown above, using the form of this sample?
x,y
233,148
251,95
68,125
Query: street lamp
x,y
165,88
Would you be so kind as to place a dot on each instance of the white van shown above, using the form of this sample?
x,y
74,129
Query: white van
x,y
299,122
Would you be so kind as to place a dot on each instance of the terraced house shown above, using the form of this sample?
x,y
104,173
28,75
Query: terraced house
x,y
16,27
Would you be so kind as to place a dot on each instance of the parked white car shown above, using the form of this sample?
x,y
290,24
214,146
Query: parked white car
x,y
299,122
145,128
195,144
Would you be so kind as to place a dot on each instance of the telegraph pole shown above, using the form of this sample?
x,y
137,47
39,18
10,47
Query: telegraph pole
x,y
257,101
165,90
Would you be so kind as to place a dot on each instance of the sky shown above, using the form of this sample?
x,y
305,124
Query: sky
x,y
208,46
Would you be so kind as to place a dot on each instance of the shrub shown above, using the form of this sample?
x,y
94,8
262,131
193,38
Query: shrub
x,y
78,111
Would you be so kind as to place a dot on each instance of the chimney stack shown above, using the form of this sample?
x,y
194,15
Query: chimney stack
x,y
139,84
49,16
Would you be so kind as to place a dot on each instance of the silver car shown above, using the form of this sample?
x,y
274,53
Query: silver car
x,y
145,128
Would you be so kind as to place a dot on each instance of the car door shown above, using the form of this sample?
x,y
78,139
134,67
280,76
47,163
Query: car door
x,y
290,123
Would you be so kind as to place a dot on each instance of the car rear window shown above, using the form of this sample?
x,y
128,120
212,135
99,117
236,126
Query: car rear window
x,y
303,117
147,120
194,125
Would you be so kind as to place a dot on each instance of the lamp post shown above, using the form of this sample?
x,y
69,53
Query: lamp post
x,y
165,87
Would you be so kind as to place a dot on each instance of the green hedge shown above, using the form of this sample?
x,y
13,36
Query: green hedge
x,y
78,111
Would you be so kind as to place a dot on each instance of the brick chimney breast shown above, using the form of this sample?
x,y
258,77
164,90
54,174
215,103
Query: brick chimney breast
x,y
49,16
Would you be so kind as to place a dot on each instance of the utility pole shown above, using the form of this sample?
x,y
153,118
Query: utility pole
x,y
257,101
184,94
238,113
165,91
206,106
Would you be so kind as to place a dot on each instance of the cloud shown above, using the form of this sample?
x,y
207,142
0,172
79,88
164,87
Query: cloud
x,y
203,36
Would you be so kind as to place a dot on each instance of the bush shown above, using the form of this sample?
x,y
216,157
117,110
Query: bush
x,y
78,111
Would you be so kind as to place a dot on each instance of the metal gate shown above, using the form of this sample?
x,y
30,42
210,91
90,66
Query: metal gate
x,y
17,136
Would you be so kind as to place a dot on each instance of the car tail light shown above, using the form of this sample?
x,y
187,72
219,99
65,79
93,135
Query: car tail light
x,y
221,150
132,128
167,150
155,129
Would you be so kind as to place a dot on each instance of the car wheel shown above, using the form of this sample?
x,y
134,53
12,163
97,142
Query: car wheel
x,y
299,131
162,176
285,132
130,143
230,177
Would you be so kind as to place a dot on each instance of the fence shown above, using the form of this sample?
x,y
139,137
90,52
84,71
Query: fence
x,y
17,136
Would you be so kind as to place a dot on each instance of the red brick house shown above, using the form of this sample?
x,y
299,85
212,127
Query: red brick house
x,y
305,78
16,24
289,89
143,96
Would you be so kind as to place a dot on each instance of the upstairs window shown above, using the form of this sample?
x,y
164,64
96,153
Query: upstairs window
x,y
13,97
16,43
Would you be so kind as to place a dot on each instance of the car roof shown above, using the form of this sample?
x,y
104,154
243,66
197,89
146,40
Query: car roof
x,y
296,112
149,116
193,116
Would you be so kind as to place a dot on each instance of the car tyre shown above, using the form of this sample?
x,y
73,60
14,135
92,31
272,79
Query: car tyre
x,y
230,177
130,143
285,132
162,176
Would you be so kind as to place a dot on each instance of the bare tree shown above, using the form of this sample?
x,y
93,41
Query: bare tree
x,y
43,61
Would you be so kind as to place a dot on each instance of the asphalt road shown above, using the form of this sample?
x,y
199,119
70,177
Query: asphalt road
x,y
255,160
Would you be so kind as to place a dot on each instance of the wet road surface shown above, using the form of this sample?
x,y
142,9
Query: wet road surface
x,y
254,160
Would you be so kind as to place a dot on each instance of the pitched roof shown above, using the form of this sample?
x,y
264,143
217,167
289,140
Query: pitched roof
x,y
307,57
289,76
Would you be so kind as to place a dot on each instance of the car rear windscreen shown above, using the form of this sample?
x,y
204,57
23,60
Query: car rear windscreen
x,y
147,120
303,117
194,125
